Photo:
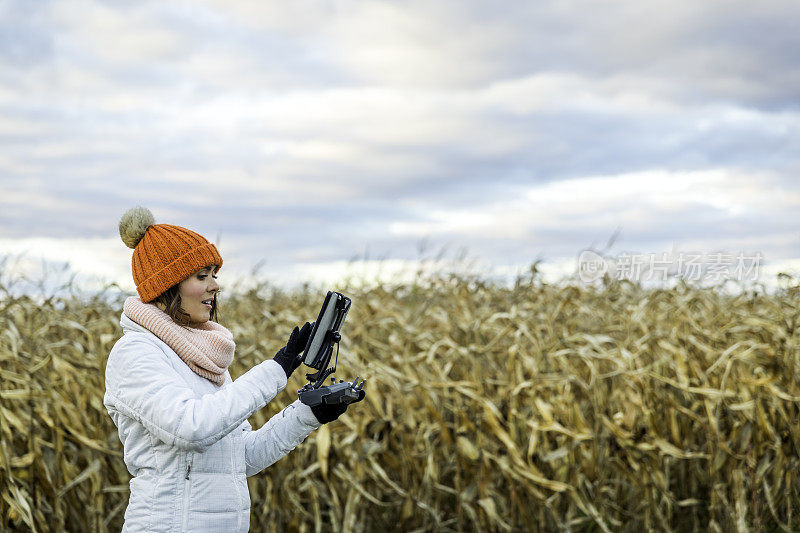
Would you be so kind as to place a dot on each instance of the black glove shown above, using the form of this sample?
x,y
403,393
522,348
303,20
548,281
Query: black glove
x,y
290,356
328,413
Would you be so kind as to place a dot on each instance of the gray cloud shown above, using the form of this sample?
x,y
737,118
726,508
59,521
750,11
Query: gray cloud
x,y
315,130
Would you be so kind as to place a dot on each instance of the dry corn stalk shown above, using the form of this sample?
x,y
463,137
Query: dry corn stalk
x,y
537,407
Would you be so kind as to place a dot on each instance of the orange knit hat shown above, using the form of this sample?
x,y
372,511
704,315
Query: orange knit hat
x,y
163,254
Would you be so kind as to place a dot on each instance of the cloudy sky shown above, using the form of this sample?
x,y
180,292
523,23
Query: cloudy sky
x,y
300,135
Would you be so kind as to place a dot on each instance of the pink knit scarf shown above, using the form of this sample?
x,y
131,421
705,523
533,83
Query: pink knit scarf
x,y
208,350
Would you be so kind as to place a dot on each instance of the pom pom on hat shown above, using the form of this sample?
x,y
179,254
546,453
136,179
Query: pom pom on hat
x,y
134,224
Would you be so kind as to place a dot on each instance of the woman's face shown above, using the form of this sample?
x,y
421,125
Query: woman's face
x,y
195,291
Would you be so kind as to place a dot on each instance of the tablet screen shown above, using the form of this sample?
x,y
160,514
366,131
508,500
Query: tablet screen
x,y
324,322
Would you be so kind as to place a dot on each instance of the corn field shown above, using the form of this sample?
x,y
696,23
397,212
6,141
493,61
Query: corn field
x,y
536,407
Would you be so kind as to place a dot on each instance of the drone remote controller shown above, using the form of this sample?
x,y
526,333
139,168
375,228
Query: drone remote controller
x,y
342,392
317,355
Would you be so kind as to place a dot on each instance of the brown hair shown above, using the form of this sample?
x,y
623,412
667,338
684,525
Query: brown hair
x,y
171,300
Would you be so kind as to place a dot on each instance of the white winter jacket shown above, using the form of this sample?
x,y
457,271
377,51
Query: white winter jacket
x,y
187,441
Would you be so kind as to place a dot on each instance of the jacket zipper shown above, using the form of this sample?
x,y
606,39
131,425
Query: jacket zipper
x,y
186,485
234,448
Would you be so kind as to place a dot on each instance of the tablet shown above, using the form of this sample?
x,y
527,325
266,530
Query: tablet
x,y
325,332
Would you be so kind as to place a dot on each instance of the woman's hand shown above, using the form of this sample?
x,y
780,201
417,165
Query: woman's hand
x,y
328,413
290,356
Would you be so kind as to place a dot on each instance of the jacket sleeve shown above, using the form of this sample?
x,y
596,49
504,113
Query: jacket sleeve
x,y
142,384
280,435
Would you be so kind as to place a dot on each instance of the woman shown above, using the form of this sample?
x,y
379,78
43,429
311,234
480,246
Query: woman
x,y
181,419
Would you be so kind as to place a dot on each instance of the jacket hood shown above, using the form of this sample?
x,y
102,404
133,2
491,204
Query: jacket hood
x,y
129,325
